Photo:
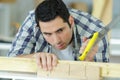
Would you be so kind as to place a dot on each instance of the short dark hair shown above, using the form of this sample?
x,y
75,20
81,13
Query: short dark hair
x,y
50,9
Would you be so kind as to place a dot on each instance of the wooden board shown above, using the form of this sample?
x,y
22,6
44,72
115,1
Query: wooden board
x,y
18,64
65,69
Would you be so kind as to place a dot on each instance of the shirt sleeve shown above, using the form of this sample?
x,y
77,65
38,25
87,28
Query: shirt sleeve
x,y
24,41
87,25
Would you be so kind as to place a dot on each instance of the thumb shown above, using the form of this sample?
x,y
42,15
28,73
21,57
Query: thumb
x,y
84,39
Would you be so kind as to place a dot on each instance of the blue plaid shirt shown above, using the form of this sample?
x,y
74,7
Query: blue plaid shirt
x,y
29,38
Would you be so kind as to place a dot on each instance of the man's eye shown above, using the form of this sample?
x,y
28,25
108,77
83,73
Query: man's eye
x,y
60,30
47,34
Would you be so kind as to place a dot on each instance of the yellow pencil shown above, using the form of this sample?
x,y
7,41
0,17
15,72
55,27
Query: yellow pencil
x,y
89,46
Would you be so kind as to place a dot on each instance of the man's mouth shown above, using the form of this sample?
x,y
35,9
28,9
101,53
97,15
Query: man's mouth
x,y
60,46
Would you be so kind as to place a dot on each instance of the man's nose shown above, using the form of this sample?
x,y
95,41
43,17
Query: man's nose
x,y
56,39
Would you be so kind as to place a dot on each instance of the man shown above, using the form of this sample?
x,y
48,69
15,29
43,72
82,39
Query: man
x,y
53,32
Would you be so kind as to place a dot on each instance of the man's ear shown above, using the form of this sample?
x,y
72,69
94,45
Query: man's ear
x,y
71,21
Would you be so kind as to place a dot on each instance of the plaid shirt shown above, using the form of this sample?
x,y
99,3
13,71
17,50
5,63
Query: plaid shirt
x,y
29,38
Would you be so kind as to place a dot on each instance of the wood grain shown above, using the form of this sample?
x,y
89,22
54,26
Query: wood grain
x,y
64,69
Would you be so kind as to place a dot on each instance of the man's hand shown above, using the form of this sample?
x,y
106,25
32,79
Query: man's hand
x,y
92,52
46,60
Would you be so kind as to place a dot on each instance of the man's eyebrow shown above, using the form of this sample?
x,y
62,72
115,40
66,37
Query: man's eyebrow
x,y
59,29
54,31
46,33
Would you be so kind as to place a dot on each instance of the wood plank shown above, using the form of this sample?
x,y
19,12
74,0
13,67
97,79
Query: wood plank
x,y
77,70
92,72
18,64
102,9
60,71
68,68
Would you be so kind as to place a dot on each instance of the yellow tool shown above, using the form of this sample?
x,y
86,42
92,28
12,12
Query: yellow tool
x,y
90,44
98,36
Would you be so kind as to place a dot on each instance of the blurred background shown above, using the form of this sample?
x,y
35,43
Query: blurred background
x,y
13,13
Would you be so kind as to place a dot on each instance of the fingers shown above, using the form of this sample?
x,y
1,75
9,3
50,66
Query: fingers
x,y
38,60
84,39
46,60
84,44
49,62
54,61
91,53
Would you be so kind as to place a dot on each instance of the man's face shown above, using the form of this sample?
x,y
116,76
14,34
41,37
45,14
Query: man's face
x,y
57,32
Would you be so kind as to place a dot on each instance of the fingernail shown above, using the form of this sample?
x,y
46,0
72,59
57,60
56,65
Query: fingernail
x,y
40,66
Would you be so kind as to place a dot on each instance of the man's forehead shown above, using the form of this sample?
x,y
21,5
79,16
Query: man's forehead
x,y
51,28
